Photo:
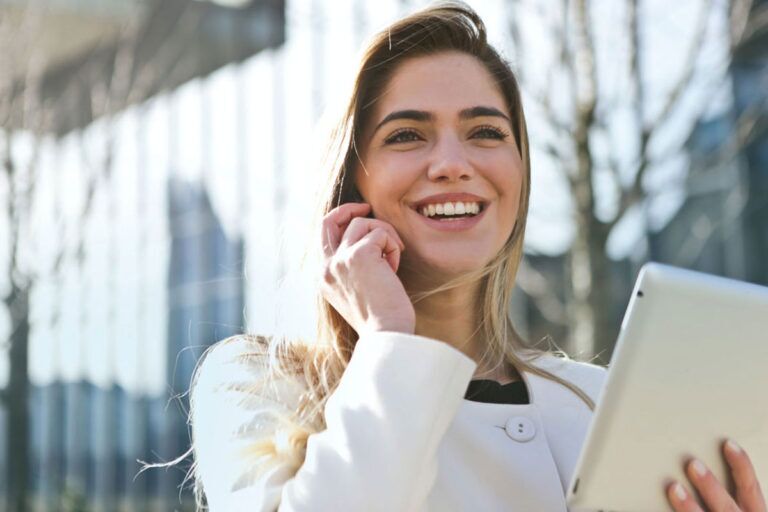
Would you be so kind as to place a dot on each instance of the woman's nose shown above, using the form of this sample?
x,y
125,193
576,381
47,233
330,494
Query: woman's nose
x,y
449,162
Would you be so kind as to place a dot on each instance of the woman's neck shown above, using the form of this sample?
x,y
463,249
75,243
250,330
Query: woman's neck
x,y
453,316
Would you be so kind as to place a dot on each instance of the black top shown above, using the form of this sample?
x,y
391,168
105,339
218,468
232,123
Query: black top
x,y
491,392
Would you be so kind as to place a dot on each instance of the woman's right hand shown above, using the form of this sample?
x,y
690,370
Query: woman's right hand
x,y
361,256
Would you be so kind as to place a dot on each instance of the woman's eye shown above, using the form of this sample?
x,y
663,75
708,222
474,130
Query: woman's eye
x,y
402,136
490,132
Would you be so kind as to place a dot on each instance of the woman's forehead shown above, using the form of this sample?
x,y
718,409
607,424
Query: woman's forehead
x,y
445,83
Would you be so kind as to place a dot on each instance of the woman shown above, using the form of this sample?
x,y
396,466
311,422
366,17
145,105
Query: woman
x,y
417,393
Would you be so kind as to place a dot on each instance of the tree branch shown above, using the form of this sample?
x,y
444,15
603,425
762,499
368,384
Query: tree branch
x,y
634,193
584,112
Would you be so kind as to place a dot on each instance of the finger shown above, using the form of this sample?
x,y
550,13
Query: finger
x,y
385,246
393,257
712,491
361,226
336,221
680,499
748,493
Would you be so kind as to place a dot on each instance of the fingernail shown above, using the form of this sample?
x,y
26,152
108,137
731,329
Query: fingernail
x,y
731,445
698,467
679,491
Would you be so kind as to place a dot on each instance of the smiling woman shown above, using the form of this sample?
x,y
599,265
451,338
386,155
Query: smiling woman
x,y
417,393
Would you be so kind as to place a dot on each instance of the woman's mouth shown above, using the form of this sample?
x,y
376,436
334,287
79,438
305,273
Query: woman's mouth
x,y
452,216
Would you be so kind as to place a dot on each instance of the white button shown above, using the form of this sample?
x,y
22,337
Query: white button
x,y
520,429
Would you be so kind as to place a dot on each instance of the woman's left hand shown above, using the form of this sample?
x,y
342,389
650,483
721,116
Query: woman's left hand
x,y
747,498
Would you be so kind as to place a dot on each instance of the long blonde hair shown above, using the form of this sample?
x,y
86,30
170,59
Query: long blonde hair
x,y
320,363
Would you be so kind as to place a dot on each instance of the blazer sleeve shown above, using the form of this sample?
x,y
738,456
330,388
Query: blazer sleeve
x,y
385,420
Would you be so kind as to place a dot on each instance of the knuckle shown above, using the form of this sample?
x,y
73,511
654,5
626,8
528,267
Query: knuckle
x,y
378,232
357,221
752,487
328,217
384,226
328,275
338,265
333,271
364,251
358,252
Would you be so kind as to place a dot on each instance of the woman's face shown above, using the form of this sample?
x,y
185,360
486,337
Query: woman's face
x,y
441,165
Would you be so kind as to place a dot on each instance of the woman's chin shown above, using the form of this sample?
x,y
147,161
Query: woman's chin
x,y
443,267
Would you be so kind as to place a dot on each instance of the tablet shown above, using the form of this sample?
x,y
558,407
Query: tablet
x,y
690,367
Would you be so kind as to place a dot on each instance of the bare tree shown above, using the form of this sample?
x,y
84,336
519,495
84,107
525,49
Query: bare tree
x,y
578,133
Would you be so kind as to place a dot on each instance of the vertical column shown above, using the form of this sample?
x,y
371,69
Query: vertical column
x,y
55,457
280,196
70,323
100,464
243,203
131,443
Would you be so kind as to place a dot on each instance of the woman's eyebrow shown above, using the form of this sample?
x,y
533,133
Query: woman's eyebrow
x,y
421,115
481,111
413,115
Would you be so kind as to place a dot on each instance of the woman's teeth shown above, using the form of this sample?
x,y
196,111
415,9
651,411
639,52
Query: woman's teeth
x,y
450,209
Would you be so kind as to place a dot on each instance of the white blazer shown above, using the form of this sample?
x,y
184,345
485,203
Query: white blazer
x,y
400,436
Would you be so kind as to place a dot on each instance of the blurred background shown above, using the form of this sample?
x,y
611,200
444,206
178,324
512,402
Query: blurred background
x,y
158,176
